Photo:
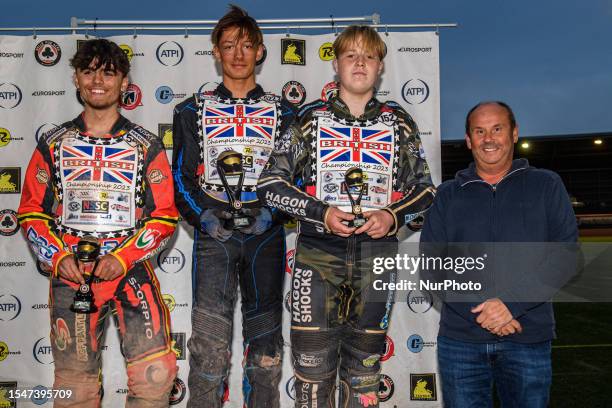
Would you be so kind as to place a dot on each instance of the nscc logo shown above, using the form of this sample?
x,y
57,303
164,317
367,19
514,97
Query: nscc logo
x,y
42,351
10,307
10,95
170,53
415,91
171,260
164,94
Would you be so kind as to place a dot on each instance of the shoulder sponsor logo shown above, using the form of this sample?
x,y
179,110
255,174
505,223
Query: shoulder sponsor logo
x,y
42,176
178,345
6,400
171,260
6,137
207,87
414,49
419,302
415,91
263,56
329,90
42,351
178,392
10,180
5,351
326,51
47,53
164,131
389,349
44,128
293,51
9,225
169,53
132,97
10,307
294,92
423,387
386,388
156,176
10,95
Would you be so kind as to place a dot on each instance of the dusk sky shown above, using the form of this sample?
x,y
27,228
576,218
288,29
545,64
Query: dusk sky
x,y
550,60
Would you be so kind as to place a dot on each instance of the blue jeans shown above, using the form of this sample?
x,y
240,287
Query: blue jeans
x,y
521,373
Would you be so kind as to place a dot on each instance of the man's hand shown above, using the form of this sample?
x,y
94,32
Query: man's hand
x,y
513,327
378,224
68,270
493,314
333,221
108,268
211,223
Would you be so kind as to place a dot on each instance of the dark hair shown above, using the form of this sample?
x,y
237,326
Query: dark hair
x,y
498,103
106,53
237,17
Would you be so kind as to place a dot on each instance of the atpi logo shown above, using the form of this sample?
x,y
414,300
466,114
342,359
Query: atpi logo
x,y
10,95
132,97
290,388
419,302
171,260
415,91
10,307
170,53
47,53
42,351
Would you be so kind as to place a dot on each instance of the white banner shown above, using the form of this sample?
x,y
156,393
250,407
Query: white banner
x,y
37,93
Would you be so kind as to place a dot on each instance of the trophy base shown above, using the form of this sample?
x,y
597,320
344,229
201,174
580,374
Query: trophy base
x,y
357,222
83,307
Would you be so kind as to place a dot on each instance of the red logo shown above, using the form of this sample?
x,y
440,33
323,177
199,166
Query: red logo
x,y
330,89
389,349
132,97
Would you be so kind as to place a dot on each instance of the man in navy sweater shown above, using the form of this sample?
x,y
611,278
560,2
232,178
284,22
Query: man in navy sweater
x,y
497,199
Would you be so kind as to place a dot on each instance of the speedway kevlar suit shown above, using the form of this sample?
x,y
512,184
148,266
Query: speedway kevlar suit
x,y
337,318
205,126
116,188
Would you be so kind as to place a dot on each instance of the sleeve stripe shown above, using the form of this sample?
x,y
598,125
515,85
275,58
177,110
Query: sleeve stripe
x,y
181,187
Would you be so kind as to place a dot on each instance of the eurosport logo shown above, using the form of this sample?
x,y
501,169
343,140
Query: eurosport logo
x,y
132,97
171,260
415,91
290,388
419,301
10,307
44,128
10,95
42,351
170,53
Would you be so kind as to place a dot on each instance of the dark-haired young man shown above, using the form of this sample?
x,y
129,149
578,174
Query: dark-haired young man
x,y
101,175
338,322
237,116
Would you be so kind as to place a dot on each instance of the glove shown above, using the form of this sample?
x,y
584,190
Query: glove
x,y
212,224
263,221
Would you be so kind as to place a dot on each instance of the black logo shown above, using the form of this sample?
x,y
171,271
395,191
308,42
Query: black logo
x,y
423,387
10,95
178,345
8,223
420,302
415,91
178,392
386,388
164,131
47,53
10,180
293,52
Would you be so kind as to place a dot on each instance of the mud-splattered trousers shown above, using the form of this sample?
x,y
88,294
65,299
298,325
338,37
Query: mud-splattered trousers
x,y
256,263
117,188
338,320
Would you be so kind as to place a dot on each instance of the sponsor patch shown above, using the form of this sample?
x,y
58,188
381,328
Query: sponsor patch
x,y
294,92
156,176
47,53
423,387
293,51
10,180
370,361
326,51
9,225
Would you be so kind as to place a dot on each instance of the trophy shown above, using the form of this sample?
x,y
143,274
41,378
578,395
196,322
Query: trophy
x,y
87,253
353,178
229,163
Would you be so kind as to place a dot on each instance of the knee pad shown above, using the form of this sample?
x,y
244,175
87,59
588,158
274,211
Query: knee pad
x,y
263,324
85,387
210,324
361,351
315,354
152,378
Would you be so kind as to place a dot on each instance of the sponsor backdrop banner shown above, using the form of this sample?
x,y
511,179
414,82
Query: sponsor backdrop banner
x,y
37,93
